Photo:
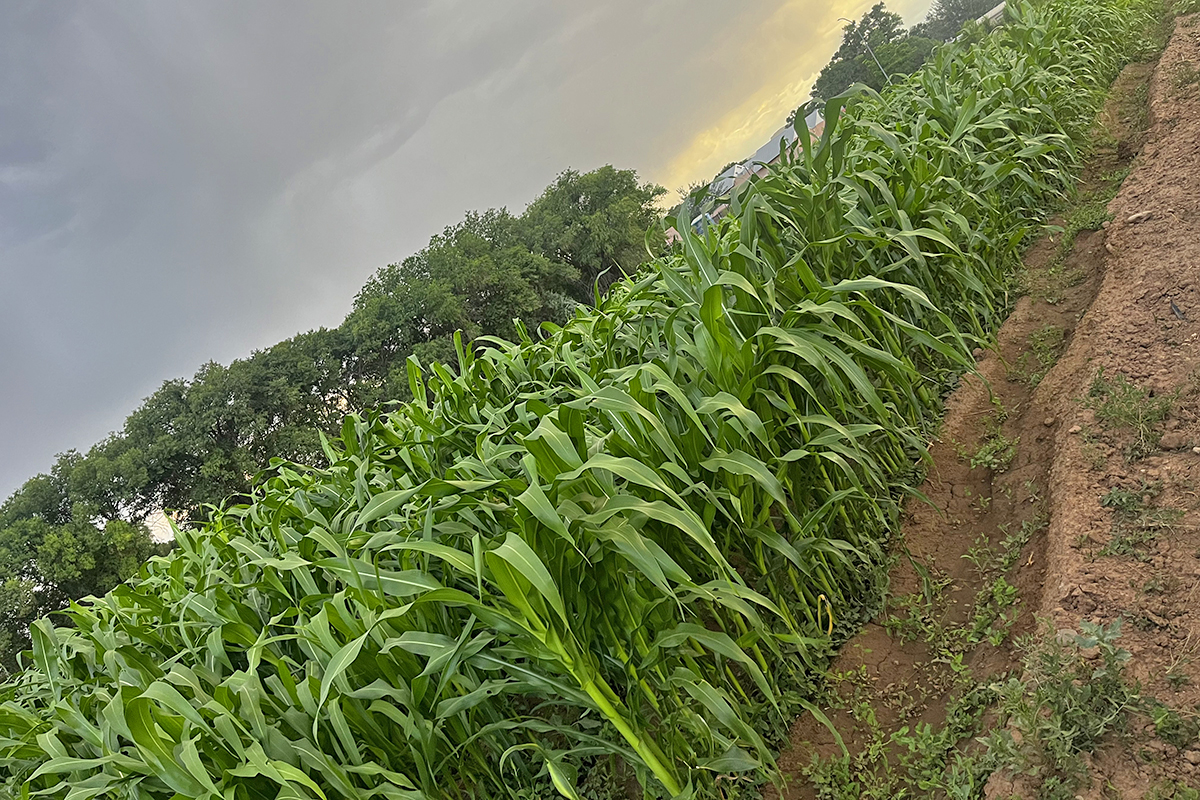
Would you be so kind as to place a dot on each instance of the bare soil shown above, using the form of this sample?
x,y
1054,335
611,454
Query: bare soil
x,y
1124,304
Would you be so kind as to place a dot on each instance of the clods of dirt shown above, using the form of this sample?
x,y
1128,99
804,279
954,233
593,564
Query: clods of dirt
x,y
1124,535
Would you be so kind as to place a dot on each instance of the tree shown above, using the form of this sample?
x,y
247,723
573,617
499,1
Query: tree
x,y
43,566
946,17
897,52
905,55
853,62
595,222
197,442
695,189
838,76
475,277
876,28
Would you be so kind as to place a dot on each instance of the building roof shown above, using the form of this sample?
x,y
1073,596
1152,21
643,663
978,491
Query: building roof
x,y
770,151
738,173
724,182
732,176
995,15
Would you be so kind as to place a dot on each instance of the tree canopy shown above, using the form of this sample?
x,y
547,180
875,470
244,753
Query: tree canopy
x,y
853,62
947,17
195,442
594,222
899,52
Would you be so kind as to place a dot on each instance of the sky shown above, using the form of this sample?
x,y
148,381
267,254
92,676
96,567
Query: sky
x,y
191,181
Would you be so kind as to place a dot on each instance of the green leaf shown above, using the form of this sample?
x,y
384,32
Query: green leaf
x,y
522,558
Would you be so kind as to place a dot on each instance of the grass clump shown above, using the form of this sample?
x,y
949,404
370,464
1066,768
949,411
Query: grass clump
x,y
1136,522
1088,211
1089,215
1130,408
1185,74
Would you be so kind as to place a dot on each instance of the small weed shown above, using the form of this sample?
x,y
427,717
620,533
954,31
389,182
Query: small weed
x,y
1127,545
1136,522
996,453
1118,176
1093,453
1044,347
912,616
1089,215
1066,706
1186,74
996,604
1124,405
1173,727
995,612
1015,542
990,562
1140,118
1142,622
606,780
1173,790
1162,584
911,619
1184,655
919,761
1087,212
1126,501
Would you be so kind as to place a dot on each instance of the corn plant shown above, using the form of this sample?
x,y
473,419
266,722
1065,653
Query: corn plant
x,y
625,540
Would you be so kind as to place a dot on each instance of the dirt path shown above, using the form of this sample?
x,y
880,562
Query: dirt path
x,y
1124,540
1064,491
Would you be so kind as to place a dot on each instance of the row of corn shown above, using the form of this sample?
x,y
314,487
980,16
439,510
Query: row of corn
x,y
616,547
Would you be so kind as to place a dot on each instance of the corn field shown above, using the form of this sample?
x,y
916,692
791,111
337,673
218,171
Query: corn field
x,y
626,541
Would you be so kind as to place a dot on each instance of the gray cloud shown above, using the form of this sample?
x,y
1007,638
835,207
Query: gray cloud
x,y
183,182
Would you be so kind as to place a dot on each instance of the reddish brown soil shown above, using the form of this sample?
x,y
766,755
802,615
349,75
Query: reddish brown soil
x,y
1127,300
1134,329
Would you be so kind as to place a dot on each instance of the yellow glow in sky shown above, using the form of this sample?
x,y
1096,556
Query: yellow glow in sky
x,y
788,53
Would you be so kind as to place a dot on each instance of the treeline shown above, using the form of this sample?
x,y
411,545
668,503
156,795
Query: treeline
x,y
879,43
80,529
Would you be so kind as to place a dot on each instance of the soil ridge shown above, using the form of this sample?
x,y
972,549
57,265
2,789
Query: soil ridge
x,y
1063,486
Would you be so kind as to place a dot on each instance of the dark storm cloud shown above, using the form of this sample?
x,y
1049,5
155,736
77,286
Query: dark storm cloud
x,y
183,182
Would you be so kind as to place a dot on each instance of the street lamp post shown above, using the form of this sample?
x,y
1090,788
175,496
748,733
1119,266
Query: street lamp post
x,y
886,77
